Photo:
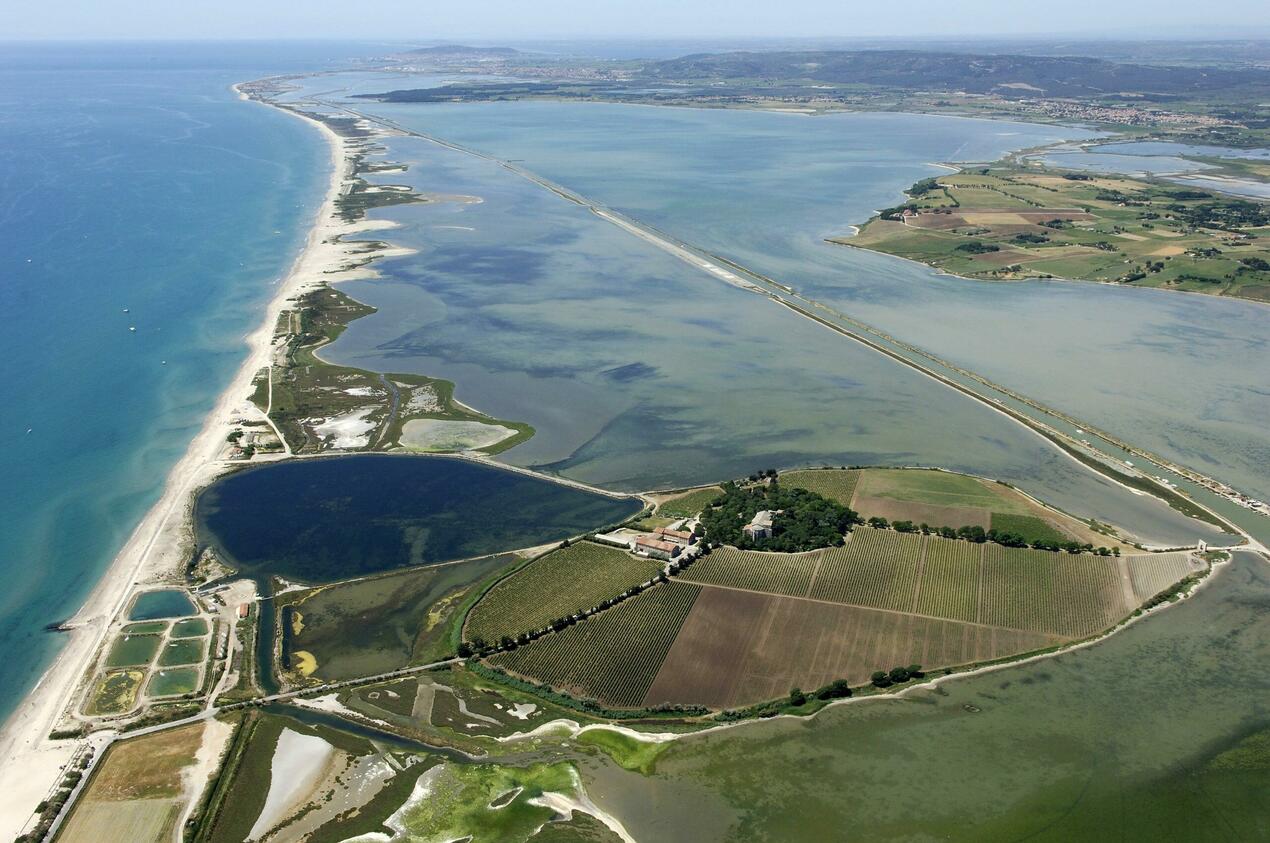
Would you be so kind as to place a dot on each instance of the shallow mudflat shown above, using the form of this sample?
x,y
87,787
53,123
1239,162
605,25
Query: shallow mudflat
x,y
446,435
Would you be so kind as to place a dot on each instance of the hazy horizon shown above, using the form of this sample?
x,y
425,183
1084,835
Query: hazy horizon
x,y
501,20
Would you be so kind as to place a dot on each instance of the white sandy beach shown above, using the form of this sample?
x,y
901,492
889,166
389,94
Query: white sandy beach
x,y
155,550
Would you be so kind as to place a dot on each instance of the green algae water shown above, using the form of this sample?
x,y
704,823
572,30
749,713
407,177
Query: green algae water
x,y
320,520
1161,732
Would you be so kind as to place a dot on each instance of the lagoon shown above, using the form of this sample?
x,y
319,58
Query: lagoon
x,y
1183,375
320,520
638,371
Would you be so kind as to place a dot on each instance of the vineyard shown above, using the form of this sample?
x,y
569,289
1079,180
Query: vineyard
x,y
950,580
688,505
1067,595
740,647
833,483
613,656
563,582
876,568
1153,572
777,573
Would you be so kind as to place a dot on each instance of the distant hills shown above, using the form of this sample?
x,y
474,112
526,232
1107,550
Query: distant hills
x,y
999,74
463,50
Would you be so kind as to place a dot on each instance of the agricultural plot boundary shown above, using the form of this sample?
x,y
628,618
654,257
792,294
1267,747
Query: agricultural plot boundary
x,y
560,583
739,627
613,656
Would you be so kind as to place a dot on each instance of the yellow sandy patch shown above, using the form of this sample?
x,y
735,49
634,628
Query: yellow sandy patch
x,y
304,662
1169,251
297,623
441,608
991,218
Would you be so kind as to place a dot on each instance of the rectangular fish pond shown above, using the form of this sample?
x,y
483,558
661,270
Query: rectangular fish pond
x,y
161,603
171,681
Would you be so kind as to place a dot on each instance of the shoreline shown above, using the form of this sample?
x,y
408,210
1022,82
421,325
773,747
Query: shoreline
x,y
155,549
34,762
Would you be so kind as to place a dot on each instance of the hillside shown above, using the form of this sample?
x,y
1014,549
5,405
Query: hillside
x,y
1006,75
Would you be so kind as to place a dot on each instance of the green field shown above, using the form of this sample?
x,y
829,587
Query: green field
x,y
613,656
564,581
833,483
941,488
1007,222
1028,527
776,573
687,506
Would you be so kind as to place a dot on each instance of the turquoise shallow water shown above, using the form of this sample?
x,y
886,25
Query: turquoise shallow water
x,y
130,177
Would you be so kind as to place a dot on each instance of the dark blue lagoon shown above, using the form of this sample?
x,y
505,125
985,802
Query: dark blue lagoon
x,y
330,519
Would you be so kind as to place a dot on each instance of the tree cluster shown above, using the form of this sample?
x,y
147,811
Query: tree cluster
x,y
896,675
807,521
977,247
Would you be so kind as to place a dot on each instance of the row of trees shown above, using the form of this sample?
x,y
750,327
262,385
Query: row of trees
x,y
835,690
481,648
978,535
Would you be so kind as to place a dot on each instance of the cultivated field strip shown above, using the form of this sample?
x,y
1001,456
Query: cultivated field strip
x,y
950,579
776,573
832,483
1058,593
875,568
737,648
613,656
559,584
1151,573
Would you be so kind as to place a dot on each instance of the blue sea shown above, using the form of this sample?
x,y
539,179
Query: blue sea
x,y
131,176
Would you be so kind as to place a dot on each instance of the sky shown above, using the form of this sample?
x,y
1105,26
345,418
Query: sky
x,y
486,20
